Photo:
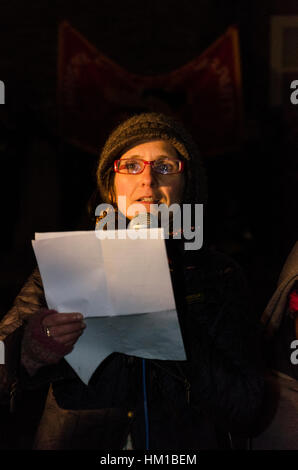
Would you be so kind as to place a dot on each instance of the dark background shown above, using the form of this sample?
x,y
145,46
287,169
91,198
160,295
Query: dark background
x,y
46,183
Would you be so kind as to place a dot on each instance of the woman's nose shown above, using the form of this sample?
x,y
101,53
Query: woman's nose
x,y
148,175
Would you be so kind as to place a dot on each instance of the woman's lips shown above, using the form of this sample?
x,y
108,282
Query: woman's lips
x,y
148,200
148,203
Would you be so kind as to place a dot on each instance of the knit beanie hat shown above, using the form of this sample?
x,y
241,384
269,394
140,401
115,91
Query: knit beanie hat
x,y
146,127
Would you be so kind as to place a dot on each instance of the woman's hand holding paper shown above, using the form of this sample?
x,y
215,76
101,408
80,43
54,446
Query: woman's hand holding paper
x,y
48,337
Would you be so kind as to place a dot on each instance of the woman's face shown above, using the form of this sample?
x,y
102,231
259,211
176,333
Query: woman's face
x,y
149,187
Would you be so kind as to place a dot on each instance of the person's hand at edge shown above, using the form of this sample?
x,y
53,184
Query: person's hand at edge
x,y
48,337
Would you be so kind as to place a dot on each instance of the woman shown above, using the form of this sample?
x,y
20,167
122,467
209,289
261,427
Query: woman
x,y
193,404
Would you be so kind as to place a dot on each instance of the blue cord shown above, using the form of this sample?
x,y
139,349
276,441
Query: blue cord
x,y
145,406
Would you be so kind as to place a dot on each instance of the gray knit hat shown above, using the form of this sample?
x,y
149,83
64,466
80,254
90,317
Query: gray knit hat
x,y
153,126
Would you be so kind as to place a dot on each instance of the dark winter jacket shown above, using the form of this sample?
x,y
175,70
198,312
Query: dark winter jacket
x,y
193,404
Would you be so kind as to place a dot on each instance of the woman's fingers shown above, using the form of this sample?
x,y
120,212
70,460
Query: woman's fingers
x,y
75,328
69,339
61,318
64,327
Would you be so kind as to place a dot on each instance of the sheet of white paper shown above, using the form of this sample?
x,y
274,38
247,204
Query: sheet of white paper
x,y
125,283
82,273
45,235
73,274
138,276
149,335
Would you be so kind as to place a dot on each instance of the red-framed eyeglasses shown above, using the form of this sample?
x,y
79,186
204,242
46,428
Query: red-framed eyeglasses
x,y
135,166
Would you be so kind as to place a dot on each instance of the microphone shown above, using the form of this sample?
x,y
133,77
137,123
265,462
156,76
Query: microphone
x,y
143,220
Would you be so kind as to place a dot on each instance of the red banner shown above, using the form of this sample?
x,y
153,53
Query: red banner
x,y
95,94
